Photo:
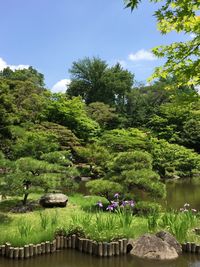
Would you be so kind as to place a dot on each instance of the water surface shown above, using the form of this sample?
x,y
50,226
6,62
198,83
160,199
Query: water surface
x,y
71,258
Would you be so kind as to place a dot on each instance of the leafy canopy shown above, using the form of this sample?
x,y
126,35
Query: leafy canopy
x,y
182,57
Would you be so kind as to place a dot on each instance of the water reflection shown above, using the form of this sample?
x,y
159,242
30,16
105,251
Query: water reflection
x,y
183,191
70,258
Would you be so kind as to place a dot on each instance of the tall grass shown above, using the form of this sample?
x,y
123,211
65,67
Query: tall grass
x,y
179,223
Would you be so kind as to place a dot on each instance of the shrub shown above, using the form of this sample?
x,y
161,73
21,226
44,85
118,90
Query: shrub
x,y
104,188
146,208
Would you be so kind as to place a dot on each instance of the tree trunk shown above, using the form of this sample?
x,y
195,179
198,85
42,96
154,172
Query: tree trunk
x,y
25,198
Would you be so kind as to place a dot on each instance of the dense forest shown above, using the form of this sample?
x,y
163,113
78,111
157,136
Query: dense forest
x,y
106,127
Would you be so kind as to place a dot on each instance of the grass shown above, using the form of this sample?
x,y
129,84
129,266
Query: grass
x,y
82,215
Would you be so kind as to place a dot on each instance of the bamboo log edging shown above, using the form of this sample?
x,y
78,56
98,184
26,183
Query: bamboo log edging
x,y
191,247
100,249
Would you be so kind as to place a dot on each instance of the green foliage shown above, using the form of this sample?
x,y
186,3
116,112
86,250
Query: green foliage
x,y
72,114
104,188
182,57
179,223
105,115
134,170
94,81
27,174
146,208
171,160
124,139
35,144
95,156
136,160
146,180
31,75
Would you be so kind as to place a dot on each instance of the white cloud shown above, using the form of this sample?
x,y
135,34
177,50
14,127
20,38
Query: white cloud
x,y
4,64
61,86
142,55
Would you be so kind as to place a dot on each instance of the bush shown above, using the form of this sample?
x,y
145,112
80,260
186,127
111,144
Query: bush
x,y
104,188
146,208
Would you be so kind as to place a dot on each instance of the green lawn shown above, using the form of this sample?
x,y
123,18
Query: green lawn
x,y
80,215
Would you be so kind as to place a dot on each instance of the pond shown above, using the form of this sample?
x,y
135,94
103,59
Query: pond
x,y
179,192
71,258
183,191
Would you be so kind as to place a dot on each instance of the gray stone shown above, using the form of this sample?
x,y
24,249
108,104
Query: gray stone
x,y
151,247
53,200
167,237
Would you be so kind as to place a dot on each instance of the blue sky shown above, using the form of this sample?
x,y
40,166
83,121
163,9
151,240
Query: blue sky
x,y
50,34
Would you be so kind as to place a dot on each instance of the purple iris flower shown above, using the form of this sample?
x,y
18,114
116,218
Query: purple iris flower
x,y
99,204
125,203
114,204
131,203
110,208
116,195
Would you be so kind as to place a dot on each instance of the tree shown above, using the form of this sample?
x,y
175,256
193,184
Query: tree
x,y
26,174
72,114
134,170
104,188
106,116
182,57
87,81
94,81
95,156
31,75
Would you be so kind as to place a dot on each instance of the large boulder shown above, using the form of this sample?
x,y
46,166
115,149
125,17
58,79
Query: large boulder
x,y
53,200
155,247
167,237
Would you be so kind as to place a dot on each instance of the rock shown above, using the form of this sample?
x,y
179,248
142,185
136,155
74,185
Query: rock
x,y
167,237
152,247
20,208
53,200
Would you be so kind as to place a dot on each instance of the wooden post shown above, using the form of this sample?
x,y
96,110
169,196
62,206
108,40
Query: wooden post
x,y
125,242
58,242
7,248
43,248
188,247
193,247
198,249
61,241
47,247
184,247
39,249
69,243
100,249
105,249
121,246
16,253
85,245
94,247
53,246
31,250
116,248
10,252
90,247
3,250
34,250
26,251
65,242
110,249
73,241
80,244
21,253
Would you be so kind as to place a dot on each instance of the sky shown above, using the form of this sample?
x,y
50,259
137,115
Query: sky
x,y
51,34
